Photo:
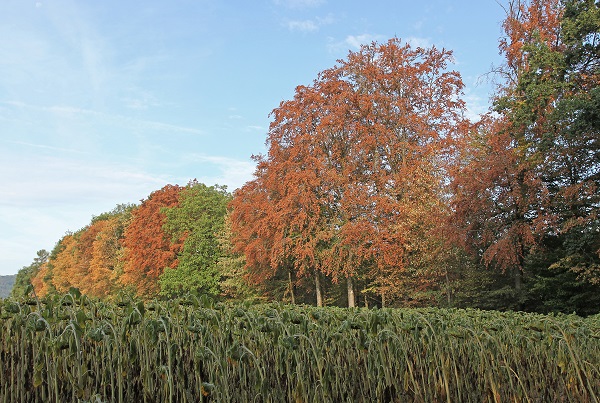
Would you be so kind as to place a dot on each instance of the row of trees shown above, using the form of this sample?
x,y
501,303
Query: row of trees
x,y
374,176
377,190
531,205
167,245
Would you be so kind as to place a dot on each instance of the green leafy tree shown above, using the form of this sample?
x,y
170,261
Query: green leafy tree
x,y
234,284
529,195
25,275
198,219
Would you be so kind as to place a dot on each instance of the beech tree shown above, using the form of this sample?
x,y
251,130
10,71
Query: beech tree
x,y
148,248
354,177
70,262
198,218
40,282
89,259
527,184
494,201
65,264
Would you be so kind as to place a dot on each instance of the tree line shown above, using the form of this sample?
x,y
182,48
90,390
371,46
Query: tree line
x,y
376,190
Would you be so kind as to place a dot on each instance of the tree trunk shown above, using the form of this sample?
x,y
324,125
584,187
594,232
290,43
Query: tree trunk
x,y
519,286
518,280
351,298
448,291
366,297
382,299
292,296
318,289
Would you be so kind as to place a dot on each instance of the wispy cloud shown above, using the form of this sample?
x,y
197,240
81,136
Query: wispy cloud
x,y
299,3
45,181
418,42
355,41
140,100
308,26
477,104
302,26
47,147
126,122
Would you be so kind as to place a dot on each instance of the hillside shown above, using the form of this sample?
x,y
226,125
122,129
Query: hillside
x,y
6,285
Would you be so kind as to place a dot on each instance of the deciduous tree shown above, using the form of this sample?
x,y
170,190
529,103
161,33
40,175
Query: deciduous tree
x,y
354,174
198,218
148,249
528,177
27,273
106,265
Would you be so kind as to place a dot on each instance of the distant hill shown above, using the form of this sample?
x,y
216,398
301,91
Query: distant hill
x,y
6,285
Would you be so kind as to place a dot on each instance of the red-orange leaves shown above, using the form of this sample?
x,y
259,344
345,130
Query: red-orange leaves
x,y
527,23
354,171
148,250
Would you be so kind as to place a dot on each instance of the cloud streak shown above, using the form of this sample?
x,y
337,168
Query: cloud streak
x,y
47,147
48,180
127,122
354,42
309,26
299,3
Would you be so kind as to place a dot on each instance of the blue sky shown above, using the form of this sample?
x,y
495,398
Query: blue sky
x,y
102,102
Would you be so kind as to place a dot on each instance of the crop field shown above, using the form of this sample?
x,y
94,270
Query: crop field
x,y
69,348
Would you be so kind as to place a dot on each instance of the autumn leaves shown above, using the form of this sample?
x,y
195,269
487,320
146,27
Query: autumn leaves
x,y
168,244
353,183
375,178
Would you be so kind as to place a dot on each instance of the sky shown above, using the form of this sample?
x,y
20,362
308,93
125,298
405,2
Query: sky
x,y
103,102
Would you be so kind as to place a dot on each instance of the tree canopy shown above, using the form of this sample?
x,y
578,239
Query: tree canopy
x,y
198,218
375,189
353,182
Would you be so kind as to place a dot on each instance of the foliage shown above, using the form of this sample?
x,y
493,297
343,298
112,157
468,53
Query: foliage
x,y
352,185
376,191
231,265
70,348
198,218
24,276
148,249
89,259
536,159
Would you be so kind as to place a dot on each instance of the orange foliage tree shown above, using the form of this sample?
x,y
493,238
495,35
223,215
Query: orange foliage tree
x,y
148,250
495,199
106,265
89,259
39,282
63,264
528,175
354,177
105,259
70,262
